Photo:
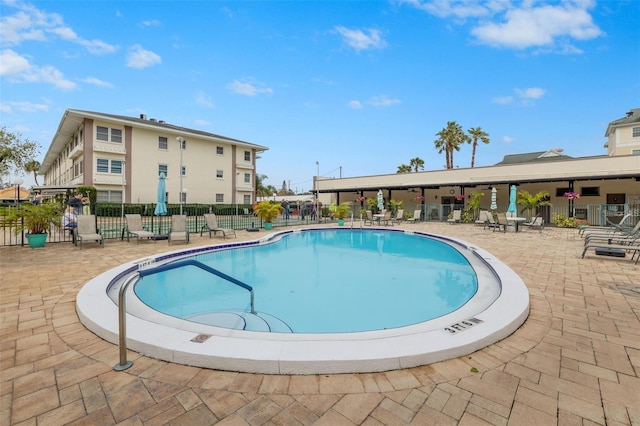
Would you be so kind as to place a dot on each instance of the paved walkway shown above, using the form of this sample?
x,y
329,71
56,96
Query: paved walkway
x,y
575,361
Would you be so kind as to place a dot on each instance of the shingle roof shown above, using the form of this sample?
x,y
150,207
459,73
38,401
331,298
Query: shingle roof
x,y
532,157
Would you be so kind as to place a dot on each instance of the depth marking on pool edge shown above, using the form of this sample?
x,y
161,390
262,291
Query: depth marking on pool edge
x,y
462,325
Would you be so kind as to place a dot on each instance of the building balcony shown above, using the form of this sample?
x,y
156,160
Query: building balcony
x,y
111,148
77,151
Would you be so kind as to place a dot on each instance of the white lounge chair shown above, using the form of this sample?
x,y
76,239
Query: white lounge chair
x,y
398,218
482,218
610,227
178,231
87,230
211,225
536,222
416,216
136,229
455,217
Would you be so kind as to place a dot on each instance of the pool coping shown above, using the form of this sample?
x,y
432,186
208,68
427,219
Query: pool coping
x,y
275,353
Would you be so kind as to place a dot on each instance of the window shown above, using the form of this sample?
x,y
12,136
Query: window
x,y
116,167
219,150
219,174
590,191
635,132
109,196
102,133
183,197
163,143
183,145
247,199
103,166
163,168
247,178
116,135
635,151
247,156
183,171
219,198
560,191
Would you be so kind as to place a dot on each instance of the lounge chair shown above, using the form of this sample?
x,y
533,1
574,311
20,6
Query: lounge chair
x,y
482,218
398,218
368,219
455,217
536,222
611,227
386,218
491,222
416,216
87,230
178,230
135,228
635,231
623,248
211,225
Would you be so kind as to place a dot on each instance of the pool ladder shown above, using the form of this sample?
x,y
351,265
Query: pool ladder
x,y
122,311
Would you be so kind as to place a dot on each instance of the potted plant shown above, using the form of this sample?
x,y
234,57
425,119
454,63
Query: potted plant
x,y
341,211
267,211
36,219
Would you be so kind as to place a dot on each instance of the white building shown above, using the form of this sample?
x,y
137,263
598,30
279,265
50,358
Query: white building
x,y
119,154
623,134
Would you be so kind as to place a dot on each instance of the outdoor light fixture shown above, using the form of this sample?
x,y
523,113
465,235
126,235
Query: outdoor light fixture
x,y
180,142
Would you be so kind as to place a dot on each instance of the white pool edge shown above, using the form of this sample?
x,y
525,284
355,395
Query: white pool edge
x,y
273,353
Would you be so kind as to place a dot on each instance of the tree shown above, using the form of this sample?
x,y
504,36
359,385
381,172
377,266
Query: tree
x,y
261,191
15,152
32,167
449,139
476,133
416,164
404,168
532,201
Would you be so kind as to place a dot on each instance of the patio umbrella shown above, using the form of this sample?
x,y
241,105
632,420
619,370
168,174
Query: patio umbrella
x,y
380,200
494,205
512,201
161,207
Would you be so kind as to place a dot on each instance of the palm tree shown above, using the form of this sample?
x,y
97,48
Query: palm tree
x,y
416,164
532,201
32,167
450,139
403,168
260,189
476,134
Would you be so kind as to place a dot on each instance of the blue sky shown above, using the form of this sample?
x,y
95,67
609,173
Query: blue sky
x,y
359,86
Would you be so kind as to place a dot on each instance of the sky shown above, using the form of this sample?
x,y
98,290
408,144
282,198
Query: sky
x,y
360,87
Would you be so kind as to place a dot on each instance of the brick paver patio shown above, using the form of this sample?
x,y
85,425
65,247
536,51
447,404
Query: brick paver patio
x,y
575,361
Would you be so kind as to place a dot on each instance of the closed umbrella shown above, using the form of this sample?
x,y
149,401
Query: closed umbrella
x,y
161,207
494,192
380,200
512,201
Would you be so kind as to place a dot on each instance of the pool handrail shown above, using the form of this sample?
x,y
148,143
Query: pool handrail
x,y
122,311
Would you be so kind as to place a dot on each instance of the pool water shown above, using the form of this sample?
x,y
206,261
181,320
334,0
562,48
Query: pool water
x,y
330,281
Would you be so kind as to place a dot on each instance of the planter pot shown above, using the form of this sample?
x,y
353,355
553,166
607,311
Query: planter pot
x,y
340,222
36,240
268,225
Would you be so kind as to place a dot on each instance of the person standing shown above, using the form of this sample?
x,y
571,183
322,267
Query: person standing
x,y
76,202
285,209
86,208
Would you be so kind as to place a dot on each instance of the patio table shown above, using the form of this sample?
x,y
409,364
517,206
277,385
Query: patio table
x,y
517,221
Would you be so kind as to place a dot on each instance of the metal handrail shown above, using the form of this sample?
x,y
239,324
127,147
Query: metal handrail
x,y
122,328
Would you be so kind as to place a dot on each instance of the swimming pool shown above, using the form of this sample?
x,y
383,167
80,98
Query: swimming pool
x,y
498,307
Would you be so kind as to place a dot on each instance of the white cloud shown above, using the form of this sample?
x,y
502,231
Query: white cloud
x,y
249,87
150,23
503,100
10,107
383,101
29,23
17,68
201,122
530,93
204,100
361,40
140,58
549,27
97,82
508,139
523,96
355,104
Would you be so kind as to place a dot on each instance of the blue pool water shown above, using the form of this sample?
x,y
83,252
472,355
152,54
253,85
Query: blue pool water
x,y
324,281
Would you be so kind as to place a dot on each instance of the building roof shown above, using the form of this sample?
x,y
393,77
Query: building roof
x,y
9,194
553,154
72,118
632,117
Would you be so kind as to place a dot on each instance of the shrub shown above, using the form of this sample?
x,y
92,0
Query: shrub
x,y
562,221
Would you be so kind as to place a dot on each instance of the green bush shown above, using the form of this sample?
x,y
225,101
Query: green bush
x,y
562,221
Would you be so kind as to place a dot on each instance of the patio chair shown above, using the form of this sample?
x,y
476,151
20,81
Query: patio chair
x,y
368,219
502,222
386,218
491,222
455,217
398,218
211,225
135,228
482,218
87,230
536,222
416,216
178,230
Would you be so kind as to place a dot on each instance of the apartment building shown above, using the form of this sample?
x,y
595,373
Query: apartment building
x,y
123,157
623,134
